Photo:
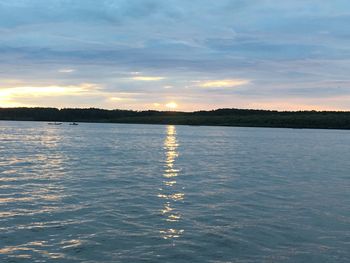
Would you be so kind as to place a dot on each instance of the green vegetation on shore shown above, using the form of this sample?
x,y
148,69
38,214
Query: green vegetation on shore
x,y
220,117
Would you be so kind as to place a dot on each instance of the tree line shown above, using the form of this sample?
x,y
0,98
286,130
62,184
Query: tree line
x,y
219,117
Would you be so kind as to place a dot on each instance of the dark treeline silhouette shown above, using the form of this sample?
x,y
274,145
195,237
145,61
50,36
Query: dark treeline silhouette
x,y
220,117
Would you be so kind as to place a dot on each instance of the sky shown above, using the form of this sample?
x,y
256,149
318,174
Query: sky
x,y
175,54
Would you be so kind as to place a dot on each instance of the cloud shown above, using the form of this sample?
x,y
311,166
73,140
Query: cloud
x,y
66,70
121,99
14,96
289,48
147,78
224,83
43,91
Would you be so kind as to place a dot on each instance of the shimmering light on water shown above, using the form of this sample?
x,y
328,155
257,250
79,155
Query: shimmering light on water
x,y
148,193
170,192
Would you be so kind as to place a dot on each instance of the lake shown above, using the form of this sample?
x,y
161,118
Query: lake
x,y
151,193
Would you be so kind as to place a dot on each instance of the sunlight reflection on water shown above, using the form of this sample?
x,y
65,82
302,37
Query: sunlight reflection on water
x,y
170,193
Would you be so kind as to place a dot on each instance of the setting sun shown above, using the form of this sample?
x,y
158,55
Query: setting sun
x,y
171,105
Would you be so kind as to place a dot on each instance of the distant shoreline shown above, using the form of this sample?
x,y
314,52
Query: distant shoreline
x,y
219,117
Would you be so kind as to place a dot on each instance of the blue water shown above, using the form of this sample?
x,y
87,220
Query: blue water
x,y
149,193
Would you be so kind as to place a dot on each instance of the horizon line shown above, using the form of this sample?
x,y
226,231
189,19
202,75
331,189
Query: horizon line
x,y
169,111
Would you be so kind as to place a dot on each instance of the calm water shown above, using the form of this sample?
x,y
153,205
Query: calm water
x,y
143,193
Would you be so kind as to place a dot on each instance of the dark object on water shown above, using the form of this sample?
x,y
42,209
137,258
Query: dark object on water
x,y
54,123
73,123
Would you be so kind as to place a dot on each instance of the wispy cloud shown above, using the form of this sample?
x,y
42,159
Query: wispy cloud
x,y
223,83
66,70
15,95
36,91
147,78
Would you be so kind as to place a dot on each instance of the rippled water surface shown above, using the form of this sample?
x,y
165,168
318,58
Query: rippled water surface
x,y
143,193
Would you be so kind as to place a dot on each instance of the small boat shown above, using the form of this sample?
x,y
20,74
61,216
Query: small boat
x,y
73,123
54,123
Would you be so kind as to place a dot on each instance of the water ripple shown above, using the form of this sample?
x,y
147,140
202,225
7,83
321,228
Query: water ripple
x,y
148,193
